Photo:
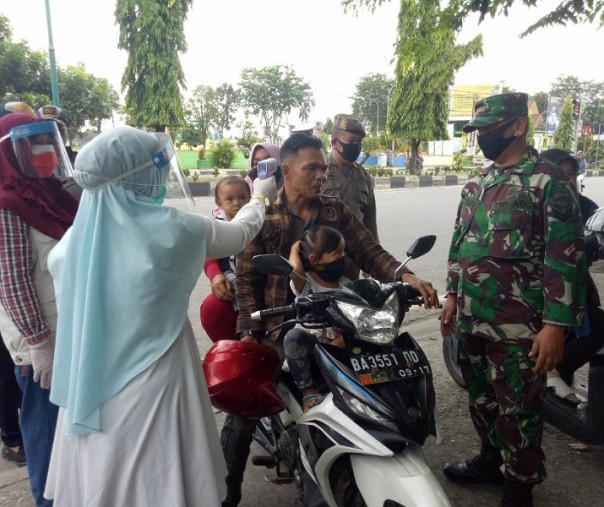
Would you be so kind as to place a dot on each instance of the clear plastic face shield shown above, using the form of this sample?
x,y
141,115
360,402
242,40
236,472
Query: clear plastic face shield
x,y
39,150
158,179
176,186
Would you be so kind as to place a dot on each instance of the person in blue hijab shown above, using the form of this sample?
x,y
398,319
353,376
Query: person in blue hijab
x,y
135,422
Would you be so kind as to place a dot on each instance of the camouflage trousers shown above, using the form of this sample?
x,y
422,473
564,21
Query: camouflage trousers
x,y
506,398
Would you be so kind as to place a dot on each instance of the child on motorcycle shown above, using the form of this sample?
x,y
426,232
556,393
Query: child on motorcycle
x,y
218,312
318,261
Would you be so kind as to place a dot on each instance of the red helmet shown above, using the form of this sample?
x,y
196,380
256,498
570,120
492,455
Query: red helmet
x,y
240,378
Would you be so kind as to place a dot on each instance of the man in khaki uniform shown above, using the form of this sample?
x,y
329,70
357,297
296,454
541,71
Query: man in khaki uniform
x,y
348,180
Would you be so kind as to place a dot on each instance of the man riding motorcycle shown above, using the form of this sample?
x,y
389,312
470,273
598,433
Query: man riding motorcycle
x,y
298,207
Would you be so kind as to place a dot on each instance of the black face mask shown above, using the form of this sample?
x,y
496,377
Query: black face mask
x,y
493,144
332,271
350,151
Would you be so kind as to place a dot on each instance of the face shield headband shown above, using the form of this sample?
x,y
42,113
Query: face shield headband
x,y
39,150
168,182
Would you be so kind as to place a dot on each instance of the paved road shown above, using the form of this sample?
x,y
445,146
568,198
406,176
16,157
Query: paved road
x,y
404,215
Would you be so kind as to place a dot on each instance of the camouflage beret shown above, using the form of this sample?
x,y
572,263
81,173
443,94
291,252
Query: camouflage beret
x,y
348,123
496,108
52,113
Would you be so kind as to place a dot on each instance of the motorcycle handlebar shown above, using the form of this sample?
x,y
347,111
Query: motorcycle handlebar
x,y
280,311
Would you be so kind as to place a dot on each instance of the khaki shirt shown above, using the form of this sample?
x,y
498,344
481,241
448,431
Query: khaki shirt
x,y
354,187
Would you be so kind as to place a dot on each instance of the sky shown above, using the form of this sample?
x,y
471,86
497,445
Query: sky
x,y
329,48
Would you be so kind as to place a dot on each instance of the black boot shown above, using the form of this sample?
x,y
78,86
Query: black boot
x,y
233,492
517,494
482,468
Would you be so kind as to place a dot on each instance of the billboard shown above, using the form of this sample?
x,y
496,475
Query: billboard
x,y
552,119
463,98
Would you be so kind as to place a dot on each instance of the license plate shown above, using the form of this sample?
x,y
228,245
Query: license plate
x,y
390,366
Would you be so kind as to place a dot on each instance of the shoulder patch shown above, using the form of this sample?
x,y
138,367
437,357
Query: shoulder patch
x,y
562,205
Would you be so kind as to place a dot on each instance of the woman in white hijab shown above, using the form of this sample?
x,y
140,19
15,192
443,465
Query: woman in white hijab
x,y
135,425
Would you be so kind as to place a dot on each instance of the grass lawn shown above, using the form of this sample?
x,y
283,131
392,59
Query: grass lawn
x,y
188,160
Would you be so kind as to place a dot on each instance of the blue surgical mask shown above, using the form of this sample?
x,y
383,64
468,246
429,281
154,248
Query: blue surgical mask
x,y
160,198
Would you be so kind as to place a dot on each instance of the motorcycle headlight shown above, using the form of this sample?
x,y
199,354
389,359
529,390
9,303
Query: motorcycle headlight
x,y
365,411
375,325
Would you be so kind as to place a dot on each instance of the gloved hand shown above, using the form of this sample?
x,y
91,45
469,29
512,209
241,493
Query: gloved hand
x,y
41,360
266,188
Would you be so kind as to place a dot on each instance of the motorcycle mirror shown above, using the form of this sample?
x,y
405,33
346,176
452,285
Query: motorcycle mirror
x,y
272,264
421,246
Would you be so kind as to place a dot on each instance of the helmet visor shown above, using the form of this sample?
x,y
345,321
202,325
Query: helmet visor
x,y
40,151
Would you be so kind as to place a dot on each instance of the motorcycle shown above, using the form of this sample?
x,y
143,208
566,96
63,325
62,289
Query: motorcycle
x,y
378,403
585,421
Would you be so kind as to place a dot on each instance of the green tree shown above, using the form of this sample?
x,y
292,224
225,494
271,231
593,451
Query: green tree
x,y
24,74
227,100
85,98
370,101
151,31
563,138
591,92
189,135
104,101
328,125
540,99
248,138
200,113
427,59
567,11
273,92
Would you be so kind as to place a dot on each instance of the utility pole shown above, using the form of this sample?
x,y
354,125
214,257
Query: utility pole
x,y
598,142
577,123
388,116
54,82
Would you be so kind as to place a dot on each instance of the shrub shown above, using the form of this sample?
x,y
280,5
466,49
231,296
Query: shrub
x,y
378,172
187,173
458,161
224,153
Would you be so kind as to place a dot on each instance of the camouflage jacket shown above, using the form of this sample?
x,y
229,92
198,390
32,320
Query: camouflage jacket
x,y
516,258
355,188
256,291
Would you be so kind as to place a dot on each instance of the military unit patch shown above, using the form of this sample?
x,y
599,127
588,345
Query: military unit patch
x,y
562,206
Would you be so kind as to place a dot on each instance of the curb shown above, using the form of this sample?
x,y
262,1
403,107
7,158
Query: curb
x,y
409,181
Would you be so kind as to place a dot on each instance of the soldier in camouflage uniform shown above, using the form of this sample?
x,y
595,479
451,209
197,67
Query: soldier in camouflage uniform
x,y
348,180
516,280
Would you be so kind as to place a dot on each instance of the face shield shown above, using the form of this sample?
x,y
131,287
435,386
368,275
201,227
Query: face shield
x,y
39,150
176,184
159,178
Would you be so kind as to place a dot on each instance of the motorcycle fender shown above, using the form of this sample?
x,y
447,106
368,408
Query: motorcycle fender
x,y
404,478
